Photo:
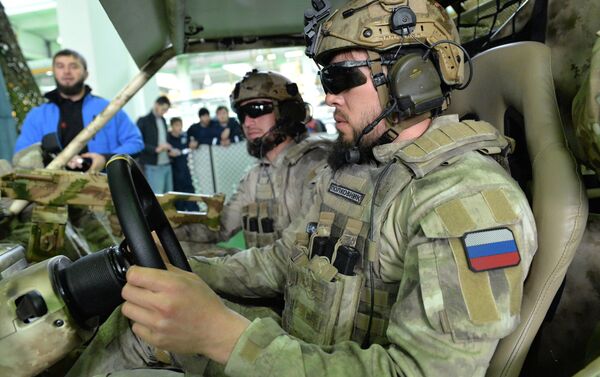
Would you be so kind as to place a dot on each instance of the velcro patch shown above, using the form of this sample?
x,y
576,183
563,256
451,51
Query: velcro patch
x,y
346,193
491,249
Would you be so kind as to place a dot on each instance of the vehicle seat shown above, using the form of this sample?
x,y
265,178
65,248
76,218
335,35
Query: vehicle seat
x,y
591,370
511,82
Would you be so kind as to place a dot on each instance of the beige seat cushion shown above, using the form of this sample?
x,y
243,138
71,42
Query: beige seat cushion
x,y
519,75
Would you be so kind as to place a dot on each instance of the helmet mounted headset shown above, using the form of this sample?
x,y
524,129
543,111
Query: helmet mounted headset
x,y
414,39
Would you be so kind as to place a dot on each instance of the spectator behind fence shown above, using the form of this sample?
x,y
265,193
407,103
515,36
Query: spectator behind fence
x,y
206,131
182,180
155,156
71,107
232,132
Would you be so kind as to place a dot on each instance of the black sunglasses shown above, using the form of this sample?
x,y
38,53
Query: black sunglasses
x,y
341,76
254,110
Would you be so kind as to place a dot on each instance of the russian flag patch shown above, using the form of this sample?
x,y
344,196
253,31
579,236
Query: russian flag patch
x,y
491,249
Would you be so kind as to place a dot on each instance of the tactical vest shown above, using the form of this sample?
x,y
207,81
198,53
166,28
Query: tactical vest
x,y
324,305
263,220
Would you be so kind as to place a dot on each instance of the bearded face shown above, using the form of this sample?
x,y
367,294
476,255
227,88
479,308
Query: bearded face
x,y
70,90
338,157
260,146
69,74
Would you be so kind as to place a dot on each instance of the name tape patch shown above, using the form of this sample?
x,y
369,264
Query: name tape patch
x,y
491,249
346,193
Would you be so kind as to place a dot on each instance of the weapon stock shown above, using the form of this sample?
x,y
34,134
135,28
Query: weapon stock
x,y
60,188
209,217
54,190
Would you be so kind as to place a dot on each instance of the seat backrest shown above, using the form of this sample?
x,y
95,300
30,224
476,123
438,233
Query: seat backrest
x,y
519,76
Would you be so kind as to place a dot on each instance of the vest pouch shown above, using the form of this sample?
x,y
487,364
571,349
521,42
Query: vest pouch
x,y
250,224
250,238
319,311
348,306
265,239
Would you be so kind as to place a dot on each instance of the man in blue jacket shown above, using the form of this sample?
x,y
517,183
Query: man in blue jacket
x,y
71,108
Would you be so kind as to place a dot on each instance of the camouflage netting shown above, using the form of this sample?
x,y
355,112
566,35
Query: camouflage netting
x,y
586,112
479,18
571,33
22,89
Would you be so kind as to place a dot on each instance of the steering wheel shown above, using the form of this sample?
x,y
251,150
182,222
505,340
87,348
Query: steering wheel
x,y
140,213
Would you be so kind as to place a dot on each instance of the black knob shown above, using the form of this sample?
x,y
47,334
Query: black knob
x,y
30,306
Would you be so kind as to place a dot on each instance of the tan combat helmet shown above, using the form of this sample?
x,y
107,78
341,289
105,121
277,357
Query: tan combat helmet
x,y
287,105
392,31
267,85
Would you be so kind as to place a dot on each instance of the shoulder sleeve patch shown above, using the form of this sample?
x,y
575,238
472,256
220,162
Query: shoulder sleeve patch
x,y
491,249
488,209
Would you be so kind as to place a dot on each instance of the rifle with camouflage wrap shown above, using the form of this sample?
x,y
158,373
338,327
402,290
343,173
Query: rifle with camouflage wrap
x,y
54,190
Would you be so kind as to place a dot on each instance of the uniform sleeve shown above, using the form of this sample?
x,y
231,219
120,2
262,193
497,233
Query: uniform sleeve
x,y
31,131
236,275
239,275
446,319
231,216
129,136
431,332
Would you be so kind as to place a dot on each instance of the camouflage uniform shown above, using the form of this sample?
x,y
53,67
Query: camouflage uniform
x,y
432,315
586,111
17,229
274,190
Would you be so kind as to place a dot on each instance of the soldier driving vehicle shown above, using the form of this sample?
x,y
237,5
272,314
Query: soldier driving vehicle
x,y
416,256
412,259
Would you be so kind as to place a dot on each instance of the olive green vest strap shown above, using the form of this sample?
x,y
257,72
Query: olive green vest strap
x,y
390,186
264,190
348,218
295,152
378,325
351,232
252,210
326,219
442,144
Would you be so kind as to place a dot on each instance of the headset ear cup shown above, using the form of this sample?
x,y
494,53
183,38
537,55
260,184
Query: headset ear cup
x,y
416,85
293,110
292,116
